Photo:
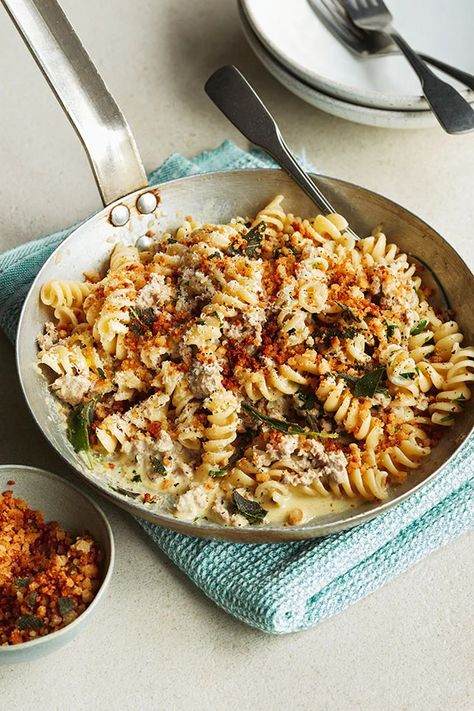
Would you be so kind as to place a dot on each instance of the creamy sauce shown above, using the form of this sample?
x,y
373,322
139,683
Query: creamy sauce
x,y
311,507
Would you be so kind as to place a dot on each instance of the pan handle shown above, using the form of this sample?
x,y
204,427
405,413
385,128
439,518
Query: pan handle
x,y
100,124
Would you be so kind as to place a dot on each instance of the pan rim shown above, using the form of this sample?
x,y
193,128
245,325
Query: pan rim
x,y
276,533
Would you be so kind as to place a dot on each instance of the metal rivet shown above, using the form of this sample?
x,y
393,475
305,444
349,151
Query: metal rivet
x,y
146,203
119,215
144,243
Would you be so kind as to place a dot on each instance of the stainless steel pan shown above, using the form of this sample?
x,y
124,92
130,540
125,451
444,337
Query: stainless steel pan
x,y
132,208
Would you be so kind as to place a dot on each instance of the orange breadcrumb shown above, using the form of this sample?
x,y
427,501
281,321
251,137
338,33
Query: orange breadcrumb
x,y
47,578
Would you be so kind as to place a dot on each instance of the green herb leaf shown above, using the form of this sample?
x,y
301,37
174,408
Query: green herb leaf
x,y
254,238
290,428
391,330
136,478
292,249
408,376
253,512
29,622
367,385
241,445
78,424
419,328
158,466
349,333
334,332
447,418
125,492
141,320
306,399
214,255
312,422
65,605
22,582
31,598
200,322
347,312
100,373
217,473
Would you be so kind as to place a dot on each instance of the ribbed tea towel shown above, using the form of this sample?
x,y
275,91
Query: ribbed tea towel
x,y
284,587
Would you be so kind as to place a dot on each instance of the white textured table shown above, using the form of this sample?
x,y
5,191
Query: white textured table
x,y
158,643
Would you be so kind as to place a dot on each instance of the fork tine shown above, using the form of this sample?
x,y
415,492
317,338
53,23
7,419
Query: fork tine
x,y
335,17
339,15
337,8
339,29
340,19
357,6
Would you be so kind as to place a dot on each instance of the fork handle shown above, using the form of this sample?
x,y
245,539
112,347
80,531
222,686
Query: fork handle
x,y
452,111
237,100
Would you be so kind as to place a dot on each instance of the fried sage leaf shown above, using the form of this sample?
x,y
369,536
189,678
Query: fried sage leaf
x,y
141,320
125,492
253,512
306,399
158,466
254,238
290,428
367,385
78,424
65,605
29,622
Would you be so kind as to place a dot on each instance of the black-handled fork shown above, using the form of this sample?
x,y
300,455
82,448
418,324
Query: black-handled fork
x,y
333,15
452,111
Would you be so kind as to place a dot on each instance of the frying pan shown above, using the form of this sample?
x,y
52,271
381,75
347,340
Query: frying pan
x,y
132,208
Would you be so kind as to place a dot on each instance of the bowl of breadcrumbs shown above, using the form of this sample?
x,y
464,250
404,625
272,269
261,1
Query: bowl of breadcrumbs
x,y
56,559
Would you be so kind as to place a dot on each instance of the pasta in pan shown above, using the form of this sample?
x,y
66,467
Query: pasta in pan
x,y
252,372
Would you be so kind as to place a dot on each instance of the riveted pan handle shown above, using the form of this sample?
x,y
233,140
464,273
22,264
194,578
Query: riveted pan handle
x,y
101,126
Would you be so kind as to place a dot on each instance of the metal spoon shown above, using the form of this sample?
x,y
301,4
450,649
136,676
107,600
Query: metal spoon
x,y
233,95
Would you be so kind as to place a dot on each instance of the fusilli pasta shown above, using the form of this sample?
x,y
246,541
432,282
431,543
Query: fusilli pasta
x,y
254,371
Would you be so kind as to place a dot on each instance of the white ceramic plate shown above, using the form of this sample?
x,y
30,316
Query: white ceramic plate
x,y
343,109
292,33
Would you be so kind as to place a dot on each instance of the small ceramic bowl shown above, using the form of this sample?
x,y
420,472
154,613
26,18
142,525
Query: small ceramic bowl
x,y
59,501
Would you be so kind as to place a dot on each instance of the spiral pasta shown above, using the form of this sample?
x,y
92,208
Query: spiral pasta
x,y
66,297
220,433
348,411
273,216
455,391
123,256
262,371
65,293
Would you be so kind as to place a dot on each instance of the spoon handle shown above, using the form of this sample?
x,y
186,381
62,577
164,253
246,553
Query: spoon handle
x,y
459,74
234,96
450,108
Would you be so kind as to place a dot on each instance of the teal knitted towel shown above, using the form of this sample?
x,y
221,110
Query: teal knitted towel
x,y
284,587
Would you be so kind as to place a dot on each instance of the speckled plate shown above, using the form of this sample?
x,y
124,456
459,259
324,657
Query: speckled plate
x,y
294,36
382,118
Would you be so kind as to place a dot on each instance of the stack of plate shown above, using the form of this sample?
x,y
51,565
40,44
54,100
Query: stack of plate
x,y
301,53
